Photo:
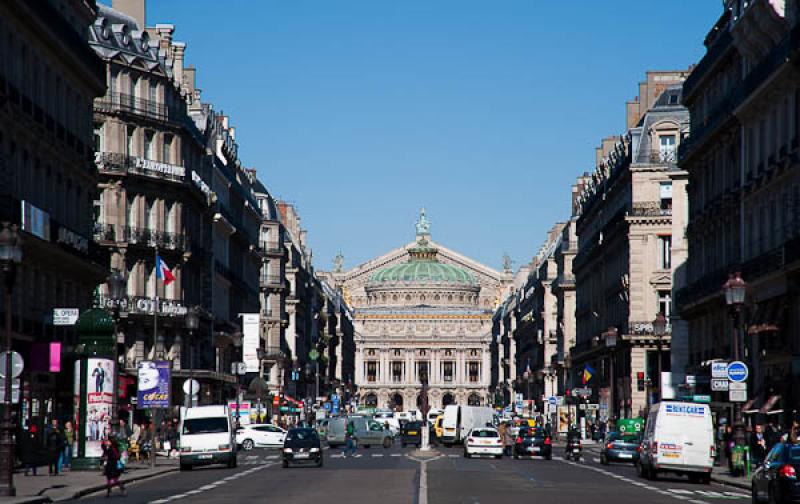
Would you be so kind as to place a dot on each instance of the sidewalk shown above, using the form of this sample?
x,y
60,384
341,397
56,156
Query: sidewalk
x,y
73,484
721,475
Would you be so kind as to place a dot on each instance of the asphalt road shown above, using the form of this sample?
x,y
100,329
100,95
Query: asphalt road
x,y
397,475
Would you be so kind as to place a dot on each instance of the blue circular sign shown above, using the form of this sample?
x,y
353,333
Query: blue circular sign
x,y
552,400
737,371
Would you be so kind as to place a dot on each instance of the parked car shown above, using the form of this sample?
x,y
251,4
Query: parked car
x,y
437,427
302,446
259,435
618,447
678,438
368,432
206,437
776,479
483,441
533,441
411,433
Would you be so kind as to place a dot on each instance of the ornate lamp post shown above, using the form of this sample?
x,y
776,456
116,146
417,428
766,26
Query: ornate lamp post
x,y
423,378
116,290
611,344
10,257
191,321
237,343
735,290
659,329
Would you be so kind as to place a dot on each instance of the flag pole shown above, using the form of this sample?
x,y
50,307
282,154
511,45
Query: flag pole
x,y
154,416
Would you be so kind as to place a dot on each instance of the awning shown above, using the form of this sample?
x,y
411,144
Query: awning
x,y
769,404
768,316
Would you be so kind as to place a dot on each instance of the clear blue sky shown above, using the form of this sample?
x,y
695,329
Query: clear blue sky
x,y
484,112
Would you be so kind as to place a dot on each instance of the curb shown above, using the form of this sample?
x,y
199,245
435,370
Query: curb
x,y
727,482
98,488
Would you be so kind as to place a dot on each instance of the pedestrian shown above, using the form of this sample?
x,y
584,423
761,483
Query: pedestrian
x,y
508,441
69,440
113,467
172,437
54,442
758,445
350,439
501,431
29,449
727,439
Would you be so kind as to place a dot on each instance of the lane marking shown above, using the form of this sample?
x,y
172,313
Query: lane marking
x,y
397,455
376,455
210,486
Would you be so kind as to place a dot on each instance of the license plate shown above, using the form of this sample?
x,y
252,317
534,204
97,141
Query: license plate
x,y
412,433
301,455
625,455
576,450
534,448
205,456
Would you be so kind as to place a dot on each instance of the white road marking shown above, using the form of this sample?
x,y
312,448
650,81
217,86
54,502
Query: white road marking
x,y
681,491
251,457
377,455
210,486
397,454
596,460
454,456
423,483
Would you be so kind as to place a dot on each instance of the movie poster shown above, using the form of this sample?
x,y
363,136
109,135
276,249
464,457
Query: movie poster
x,y
153,384
99,376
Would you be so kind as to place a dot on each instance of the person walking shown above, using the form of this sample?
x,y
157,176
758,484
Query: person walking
x,y
113,467
501,430
727,439
69,440
350,439
29,449
54,442
758,445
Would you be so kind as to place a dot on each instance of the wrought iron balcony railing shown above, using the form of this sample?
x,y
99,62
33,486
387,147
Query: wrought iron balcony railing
x,y
113,162
154,238
121,102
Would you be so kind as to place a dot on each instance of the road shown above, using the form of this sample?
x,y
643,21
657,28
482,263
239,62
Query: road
x,y
397,476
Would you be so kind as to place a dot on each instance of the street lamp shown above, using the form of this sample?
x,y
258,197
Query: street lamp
x,y
423,378
659,329
611,343
237,343
735,290
191,321
10,257
116,290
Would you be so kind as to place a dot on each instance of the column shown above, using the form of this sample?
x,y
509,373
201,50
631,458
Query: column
x,y
359,377
486,368
339,355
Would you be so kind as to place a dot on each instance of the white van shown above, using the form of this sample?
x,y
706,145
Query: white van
x,y
475,417
451,424
678,438
207,436
384,416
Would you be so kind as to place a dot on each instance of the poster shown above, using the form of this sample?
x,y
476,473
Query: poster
x,y
153,384
99,376
244,412
251,329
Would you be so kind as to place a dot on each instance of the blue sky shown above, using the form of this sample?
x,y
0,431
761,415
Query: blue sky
x,y
362,111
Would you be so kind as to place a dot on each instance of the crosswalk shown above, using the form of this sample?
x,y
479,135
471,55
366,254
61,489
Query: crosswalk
x,y
252,460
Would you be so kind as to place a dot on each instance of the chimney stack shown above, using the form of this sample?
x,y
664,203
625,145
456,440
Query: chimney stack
x,y
133,8
164,32
178,51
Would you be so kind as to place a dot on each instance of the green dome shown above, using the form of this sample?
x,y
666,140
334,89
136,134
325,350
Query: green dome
x,y
421,271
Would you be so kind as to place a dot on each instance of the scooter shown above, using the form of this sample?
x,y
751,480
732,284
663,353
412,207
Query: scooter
x,y
574,450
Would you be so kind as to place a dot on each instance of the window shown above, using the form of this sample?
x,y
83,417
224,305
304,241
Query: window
x,y
372,371
666,148
98,138
665,252
422,371
665,192
166,149
130,142
447,371
148,144
397,371
665,303
474,372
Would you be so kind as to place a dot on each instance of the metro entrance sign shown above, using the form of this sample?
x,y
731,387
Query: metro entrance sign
x,y
737,371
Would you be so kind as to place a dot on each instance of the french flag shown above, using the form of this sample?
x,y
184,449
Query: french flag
x,y
163,272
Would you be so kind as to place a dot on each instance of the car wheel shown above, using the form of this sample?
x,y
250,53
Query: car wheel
x,y
248,445
186,467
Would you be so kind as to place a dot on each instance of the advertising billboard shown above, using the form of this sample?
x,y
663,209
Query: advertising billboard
x,y
99,378
153,384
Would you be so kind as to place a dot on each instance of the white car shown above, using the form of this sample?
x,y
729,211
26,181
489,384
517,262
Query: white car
x,y
260,435
483,441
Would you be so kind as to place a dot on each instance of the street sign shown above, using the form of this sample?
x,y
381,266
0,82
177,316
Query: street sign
x,y
737,371
701,398
191,387
719,370
585,391
65,316
737,386
552,400
737,395
238,368
15,388
17,364
691,380
719,384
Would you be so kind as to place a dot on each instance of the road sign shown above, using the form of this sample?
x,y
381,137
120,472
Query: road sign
x,y
701,398
719,384
192,388
15,388
737,395
691,380
238,368
17,364
552,400
737,386
585,391
719,370
737,371
65,316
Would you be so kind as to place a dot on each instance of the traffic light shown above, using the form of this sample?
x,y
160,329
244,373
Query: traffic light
x,y
640,381
568,393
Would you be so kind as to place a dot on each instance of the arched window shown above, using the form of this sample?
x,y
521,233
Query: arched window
x,y
371,401
447,400
474,400
397,402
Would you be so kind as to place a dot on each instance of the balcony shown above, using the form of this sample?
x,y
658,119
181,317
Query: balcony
x,y
121,102
104,232
272,282
664,156
272,249
649,210
152,238
116,163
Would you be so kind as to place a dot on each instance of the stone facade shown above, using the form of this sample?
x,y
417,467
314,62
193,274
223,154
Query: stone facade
x,y
435,320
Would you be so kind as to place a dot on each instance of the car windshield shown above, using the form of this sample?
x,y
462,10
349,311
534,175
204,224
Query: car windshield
x,y
212,425
301,435
413,425
485,433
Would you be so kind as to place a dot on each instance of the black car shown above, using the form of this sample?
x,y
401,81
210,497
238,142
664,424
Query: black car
x,y
776,479
619,447
302,446
533,441
411,433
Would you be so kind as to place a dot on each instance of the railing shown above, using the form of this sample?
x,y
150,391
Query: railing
x,y
113,162
664,156
649,210
271,248
121,102
150,237
104,232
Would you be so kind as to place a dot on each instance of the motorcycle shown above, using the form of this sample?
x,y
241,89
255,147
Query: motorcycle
x,y
573,450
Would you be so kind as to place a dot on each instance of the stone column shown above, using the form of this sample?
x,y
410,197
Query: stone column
x,y
339,356
359,374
